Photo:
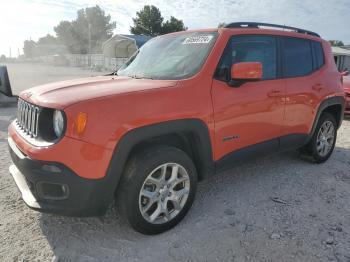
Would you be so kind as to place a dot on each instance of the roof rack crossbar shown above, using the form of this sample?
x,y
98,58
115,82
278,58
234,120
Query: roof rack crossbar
x,y
257,25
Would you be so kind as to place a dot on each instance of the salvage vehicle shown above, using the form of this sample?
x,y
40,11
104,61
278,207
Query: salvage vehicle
x,y
186,106
346,80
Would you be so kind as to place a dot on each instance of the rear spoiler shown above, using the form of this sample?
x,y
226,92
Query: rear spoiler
x,y
5,86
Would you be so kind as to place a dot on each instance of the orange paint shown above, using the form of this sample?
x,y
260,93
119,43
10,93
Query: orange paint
x,y
247,70
255,112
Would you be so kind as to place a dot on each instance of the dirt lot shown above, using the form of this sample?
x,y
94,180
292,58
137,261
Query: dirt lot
x,y
234,217
26,75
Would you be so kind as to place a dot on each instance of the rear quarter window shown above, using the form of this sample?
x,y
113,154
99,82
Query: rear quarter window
x,y
297,57
318,54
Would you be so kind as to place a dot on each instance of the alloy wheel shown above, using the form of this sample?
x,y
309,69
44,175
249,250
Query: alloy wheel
x,y
325,138
164,193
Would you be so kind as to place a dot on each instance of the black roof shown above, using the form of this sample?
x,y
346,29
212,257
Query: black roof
x,y
258,25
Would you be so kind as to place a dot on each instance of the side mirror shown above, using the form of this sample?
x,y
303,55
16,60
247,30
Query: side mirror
x,y
247,71
244,72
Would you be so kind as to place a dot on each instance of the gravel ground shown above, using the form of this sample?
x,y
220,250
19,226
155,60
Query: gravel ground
x,y
277,208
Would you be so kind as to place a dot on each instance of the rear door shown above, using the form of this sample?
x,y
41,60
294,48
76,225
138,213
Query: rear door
x,y
302,62
252,113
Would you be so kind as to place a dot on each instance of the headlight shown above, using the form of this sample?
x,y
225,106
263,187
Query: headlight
x,y
58,123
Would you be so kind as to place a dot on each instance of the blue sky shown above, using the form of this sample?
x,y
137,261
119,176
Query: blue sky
x,y
24,19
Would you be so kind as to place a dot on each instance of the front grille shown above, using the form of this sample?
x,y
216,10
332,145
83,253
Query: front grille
x,y
28,117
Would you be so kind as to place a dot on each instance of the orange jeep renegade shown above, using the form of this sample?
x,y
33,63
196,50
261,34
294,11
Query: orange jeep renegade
x,y
186,106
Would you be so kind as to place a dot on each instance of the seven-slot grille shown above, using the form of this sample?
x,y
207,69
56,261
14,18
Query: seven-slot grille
x,y
28,117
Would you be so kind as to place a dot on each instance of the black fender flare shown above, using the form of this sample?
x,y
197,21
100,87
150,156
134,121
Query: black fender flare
x,y
331,101
134,137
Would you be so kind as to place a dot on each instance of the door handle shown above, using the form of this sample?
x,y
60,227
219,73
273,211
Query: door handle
x,y
274,93
317,87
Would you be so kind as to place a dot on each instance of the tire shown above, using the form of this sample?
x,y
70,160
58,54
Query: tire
x,y
173,194
312,149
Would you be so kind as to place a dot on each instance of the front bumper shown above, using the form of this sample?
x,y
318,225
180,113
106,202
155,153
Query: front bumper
x,y
54,188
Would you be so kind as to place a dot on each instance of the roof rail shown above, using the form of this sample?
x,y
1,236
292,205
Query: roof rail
x,y
257,25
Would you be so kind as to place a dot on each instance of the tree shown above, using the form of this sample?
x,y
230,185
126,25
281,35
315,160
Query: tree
x,y
173,25
336,43
3,58
47,40
66,35
87,33
149,21
29,48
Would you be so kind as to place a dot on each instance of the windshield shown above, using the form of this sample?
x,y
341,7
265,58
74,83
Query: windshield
x,y
175,56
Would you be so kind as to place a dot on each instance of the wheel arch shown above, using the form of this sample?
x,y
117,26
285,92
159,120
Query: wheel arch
x,y
190,135
333,105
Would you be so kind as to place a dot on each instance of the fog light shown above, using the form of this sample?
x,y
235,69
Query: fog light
x,y
52,191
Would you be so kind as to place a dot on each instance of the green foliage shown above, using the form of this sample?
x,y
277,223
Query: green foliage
x,y
173,25
91,21
66,35
48,40
336,43
149,21
29,48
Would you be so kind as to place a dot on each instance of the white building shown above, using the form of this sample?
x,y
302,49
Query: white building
x,y
342,58
117,50
123,46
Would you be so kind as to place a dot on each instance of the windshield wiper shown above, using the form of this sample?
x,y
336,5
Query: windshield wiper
x,y
140,77
112,74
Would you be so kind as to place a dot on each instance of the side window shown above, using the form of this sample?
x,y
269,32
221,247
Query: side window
x,y
318,54
249,49
297,57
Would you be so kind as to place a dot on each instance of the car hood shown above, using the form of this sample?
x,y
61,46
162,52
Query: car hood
x,y
62,94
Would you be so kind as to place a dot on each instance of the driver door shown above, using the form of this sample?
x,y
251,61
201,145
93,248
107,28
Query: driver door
x,y
249,116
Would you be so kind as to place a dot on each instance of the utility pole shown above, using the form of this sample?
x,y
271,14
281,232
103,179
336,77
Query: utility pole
x,y
10,52
89,44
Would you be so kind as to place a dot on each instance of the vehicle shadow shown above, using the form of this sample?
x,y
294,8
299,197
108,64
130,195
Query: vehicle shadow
x,y
233,217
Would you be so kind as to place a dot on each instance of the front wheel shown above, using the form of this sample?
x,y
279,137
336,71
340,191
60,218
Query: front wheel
x,y
323,141
158,188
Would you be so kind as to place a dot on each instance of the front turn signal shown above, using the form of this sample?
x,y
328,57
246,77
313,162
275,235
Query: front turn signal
x,y
80,123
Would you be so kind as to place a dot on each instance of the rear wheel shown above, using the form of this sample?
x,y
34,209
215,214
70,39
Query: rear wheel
x,y
323,141
158,188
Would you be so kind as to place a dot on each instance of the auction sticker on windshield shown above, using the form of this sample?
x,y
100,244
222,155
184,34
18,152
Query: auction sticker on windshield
x,y
203,39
